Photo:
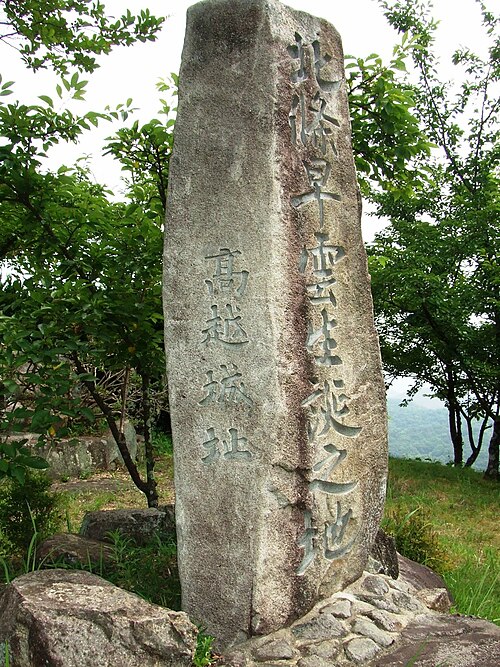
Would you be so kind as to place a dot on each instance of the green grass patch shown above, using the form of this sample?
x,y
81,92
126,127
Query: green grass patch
x,y
447,518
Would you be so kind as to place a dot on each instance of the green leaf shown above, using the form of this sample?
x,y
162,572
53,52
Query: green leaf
x,y
47,100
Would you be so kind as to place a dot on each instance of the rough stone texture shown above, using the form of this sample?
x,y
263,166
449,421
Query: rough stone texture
x,y
384,552
341,609
365,627
278,649
276,393
75,619
394,638
438,599
419,576
454,641
74,550
375,585
141,525
74,457
361,649
324,626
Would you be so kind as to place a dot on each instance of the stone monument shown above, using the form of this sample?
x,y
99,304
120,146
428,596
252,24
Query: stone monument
x,y
276,392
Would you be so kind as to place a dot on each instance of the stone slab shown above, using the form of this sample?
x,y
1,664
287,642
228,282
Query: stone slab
x,y
275,385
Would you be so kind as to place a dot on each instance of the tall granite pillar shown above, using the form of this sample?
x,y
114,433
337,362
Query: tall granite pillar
x,y
276,393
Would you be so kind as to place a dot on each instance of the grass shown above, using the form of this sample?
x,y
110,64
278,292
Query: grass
x,y
459,512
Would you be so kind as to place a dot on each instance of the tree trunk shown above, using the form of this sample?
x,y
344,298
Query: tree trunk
x,y
115,431
152,494
475,448
454,420
493,452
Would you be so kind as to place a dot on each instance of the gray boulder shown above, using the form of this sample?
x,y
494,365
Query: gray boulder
x,y
454,641
74,550
75,619
140,525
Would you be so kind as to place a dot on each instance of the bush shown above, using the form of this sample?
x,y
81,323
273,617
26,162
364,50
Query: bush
x,y
24,507
415,538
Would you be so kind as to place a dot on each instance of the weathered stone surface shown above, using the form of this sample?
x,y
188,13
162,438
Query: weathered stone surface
x,y
437,599
375,585
313,661
340,609
384,551
417,575
74,550
322,627
407,602
276,393
361,649
141,525
454,641
278,649
364,626
395,639
385,620
325,649
79,456
75,619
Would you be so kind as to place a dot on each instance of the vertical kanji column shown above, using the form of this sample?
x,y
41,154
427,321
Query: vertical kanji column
x,y
276,392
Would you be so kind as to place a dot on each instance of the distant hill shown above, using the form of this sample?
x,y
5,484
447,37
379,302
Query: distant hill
x,y
418,432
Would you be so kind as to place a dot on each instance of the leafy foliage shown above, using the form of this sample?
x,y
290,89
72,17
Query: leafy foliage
x,y
67,34
21,506
386,133
82,294
435,268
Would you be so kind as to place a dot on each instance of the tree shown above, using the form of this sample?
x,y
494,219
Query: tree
x,y
69,34
435,268
80,298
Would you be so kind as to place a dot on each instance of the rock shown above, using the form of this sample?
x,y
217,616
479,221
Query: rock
x,y
361,649
313,661
140,525
75,619
385,620
74,550
279,649
376,585
235,658
384,552
82,455
340,609
385,605
327,649
454,641
322,627
406,602
365,627
275,387
437,599
113,455
419,576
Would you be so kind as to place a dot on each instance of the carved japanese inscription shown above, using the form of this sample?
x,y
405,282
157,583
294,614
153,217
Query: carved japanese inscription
x,y
314,126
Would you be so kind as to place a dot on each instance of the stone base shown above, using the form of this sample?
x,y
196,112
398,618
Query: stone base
x,y
376,621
